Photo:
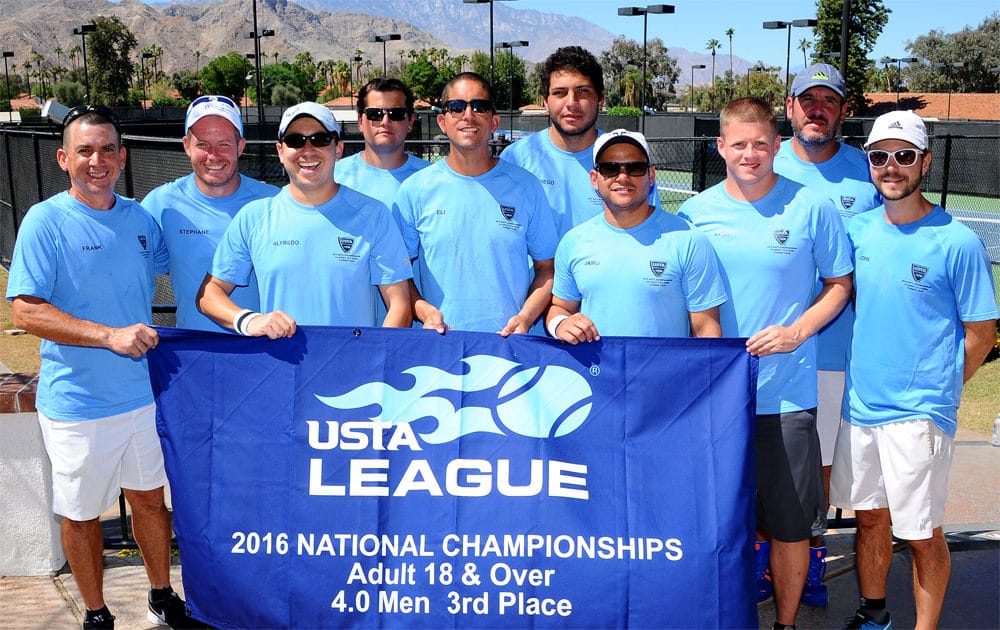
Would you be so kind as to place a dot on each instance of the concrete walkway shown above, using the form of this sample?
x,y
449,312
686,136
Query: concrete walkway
x,y
972,523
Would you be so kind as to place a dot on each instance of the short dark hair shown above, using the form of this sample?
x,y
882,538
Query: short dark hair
x,y
575,58
385,84
469,76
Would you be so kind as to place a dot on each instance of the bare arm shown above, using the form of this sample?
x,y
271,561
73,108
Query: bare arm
x,y
42,319
979,339
213,300
706,323
539,298
828,304
397,299
425,312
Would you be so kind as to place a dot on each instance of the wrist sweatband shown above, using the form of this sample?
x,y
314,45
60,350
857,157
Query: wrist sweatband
x,y
242,320
554,324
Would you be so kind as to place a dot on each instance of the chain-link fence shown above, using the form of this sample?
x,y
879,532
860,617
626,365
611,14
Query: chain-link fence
x,y
964,177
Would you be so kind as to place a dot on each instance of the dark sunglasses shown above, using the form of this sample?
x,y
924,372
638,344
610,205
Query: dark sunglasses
x,y
632,169
375,114
99,110
478,105
318,139
903,157
214,99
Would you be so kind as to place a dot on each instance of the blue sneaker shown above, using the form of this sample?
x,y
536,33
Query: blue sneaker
x,y
861,620
762,569
815,592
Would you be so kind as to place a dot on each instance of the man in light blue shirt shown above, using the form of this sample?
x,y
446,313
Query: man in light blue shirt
x,y
196,209
814,158
472,222
634,271
926,319
773,238
317,247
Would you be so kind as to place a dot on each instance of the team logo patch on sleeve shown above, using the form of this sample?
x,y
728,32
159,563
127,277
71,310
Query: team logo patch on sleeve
x,y
507,211
142,240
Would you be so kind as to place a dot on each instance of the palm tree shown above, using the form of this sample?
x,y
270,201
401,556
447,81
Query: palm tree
x,y
58,51
804,44
197,61
72,54
712,45
732,77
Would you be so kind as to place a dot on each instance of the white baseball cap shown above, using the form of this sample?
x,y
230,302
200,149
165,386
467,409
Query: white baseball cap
x,y
320,113
901,125
221,106
634,138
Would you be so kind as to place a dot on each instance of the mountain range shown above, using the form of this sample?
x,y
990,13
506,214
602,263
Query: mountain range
x,y
328,29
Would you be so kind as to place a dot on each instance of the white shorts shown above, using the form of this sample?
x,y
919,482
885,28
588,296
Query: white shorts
x,y
831,394
92,460
902,466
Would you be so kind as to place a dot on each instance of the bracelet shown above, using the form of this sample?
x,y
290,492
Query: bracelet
x,y
242,320
553,324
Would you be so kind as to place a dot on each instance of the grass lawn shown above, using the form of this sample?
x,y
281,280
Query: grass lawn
x,y
980,400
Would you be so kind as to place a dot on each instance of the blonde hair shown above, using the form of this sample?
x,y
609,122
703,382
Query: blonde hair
x,y
749,109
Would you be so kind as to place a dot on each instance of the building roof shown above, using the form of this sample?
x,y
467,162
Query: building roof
x,y
935,105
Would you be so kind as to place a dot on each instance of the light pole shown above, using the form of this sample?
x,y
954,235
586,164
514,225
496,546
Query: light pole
x,y
644,12
6,74
256,35
489,2
788,49
520,43
82,32
829,56
899,70
697,66
947,67
142,62
388,37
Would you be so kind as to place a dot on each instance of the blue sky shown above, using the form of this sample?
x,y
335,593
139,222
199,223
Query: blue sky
x,y
697,21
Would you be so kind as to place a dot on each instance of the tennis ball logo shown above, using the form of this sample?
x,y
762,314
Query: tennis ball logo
x,y
543,402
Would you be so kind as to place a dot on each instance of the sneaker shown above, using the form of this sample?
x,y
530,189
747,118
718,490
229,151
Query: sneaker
x,y
762,569
815,592
98,619
170,611
861,619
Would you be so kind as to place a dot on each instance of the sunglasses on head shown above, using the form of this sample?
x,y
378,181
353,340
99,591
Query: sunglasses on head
x,y
375,114
632,169
214,99
903,157
318,139
478,105
99,110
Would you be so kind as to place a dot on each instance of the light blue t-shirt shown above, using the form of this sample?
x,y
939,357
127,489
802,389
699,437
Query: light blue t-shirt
x,y
97,265
472,238
381,184
915,284
771,251
846,180
192,224
641,281
564,176
316,263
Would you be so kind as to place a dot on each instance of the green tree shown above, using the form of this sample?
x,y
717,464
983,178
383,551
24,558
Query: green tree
x,y
288,75
804,45
731,77
661,71
226,75
109,61
424,79
867,19
505,73
286,95
70,93
978,48
712,45
186,82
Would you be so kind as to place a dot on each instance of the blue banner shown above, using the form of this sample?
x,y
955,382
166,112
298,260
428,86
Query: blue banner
x,y
399,478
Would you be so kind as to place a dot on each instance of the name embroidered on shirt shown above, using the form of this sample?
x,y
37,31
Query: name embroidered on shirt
x,y
287,242
194,232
